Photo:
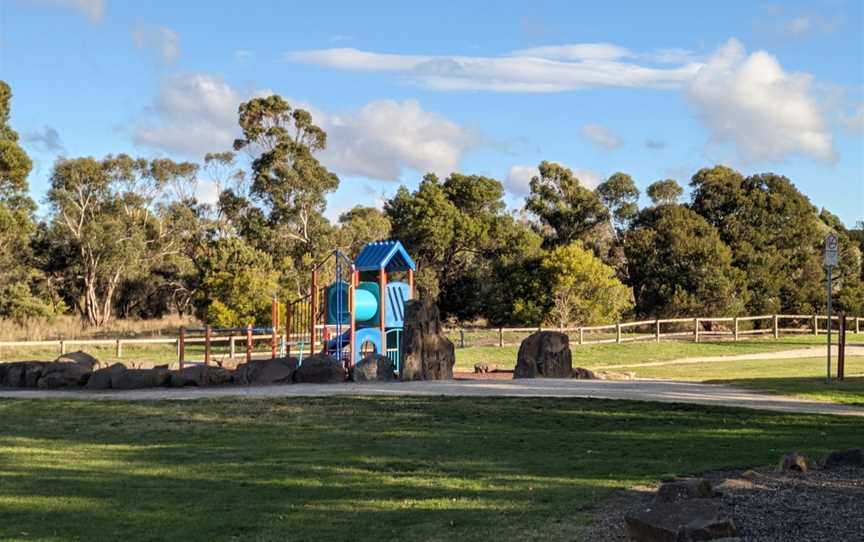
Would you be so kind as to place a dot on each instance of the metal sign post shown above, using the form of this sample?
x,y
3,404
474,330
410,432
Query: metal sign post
x,y
830,261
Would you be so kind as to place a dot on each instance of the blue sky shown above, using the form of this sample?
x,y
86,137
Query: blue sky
x,y
654,89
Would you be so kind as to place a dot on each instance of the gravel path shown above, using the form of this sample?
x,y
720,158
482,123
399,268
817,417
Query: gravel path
x,y
637,390
766,506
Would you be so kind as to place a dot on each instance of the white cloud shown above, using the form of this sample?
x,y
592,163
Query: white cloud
x,y
162,40
654,144
46,140
193,114
543,69
518,179
767,113
854,122
383,137
601,135
576,51
206,191
796,24
197,113
94,10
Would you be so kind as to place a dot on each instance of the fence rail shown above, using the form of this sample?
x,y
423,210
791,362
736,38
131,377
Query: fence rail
x,y
699,329
696,328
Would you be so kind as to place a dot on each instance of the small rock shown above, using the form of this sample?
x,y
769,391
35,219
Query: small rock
x,y
613,375
584,374
483,368
795,462
695,519
853,457
265,371
688,488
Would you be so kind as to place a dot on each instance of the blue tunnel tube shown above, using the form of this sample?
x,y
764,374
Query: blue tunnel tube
x,y
365,302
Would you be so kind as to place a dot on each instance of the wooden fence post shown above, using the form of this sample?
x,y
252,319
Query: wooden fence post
x,y
500,337
181,348
581,335
657,330
815,324
232,346
118,348
776,327
461,338
735,324
62,347
274,321
208,333
248,343
696,330
857,324
841,348
618,333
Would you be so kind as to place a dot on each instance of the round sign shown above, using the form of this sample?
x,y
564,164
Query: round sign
x,y
831,242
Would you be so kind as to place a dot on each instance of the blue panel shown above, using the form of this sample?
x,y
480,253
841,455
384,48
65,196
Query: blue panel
x,y
387,255
397,294
368,334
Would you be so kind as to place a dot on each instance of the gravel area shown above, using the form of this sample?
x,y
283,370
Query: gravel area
x,y
766,505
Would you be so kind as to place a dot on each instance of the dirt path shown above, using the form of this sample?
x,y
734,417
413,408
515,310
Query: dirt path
x,y
636,390
811,352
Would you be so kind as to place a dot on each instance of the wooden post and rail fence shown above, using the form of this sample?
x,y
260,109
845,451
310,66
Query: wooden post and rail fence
x,y
697,329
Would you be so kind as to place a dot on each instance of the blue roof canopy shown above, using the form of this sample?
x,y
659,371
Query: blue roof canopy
x,y
387,255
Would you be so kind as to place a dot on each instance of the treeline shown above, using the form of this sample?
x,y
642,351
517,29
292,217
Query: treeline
x,y
127,237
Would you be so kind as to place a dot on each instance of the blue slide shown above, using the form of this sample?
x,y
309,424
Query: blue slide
x,y
345,338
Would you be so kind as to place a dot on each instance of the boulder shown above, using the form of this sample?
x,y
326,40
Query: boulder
x,y
134,379
853,457
101,379
4,370
425,352
795,462
81,358
687,488
15,374
199,375
265,371
684,521
584,374
320,369
544,354
373,368
33,371
64,375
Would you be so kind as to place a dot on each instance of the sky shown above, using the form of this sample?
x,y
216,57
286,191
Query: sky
x,y
654,89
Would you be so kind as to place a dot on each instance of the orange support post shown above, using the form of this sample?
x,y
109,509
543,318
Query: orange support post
x,y
208,334
181,347
313,316
288,330
382,288
351,322
411,283
248,343
274,320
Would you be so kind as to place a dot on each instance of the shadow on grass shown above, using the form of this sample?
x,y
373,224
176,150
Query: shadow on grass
x,y
848,391
360,468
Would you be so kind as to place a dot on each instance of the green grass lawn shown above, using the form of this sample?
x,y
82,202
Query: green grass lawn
x,y
592,355
802,377
407,469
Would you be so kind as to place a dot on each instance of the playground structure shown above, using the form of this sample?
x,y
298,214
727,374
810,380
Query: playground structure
x,y
360,312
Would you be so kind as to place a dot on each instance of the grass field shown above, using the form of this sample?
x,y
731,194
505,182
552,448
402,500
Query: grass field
x,y
361,468
593,355
802,377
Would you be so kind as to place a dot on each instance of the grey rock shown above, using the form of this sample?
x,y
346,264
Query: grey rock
x,y
134,379
265,371
101,379
64,375
687,488
199,375
853,457
684,521
373,368
320,369
483,368
425,352
81,358
544,354
584,374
